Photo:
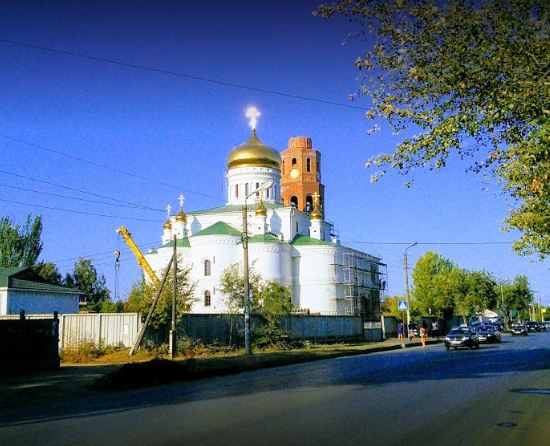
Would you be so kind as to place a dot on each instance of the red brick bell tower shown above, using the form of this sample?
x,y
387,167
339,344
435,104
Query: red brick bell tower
x,y
301,175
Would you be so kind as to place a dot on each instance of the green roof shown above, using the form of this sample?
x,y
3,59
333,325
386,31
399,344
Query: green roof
x,y
180,243
265,238
6,273
219,228
26,278
304,240
235,208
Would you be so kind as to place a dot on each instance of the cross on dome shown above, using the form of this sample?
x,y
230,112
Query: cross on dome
x,y
315,199
253,114
168,209
181,199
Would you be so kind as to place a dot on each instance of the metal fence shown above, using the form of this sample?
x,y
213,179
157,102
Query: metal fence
x,y
121,329
102,329
223,327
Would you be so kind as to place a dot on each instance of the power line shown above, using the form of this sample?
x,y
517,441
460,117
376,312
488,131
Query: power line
x,y
139,206
429,243
79,199
79,212
184,75
100,255
103,166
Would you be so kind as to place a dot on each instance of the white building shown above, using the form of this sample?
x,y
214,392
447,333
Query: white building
x,y
23,289
289,244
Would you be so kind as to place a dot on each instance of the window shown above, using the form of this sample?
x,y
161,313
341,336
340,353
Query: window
x,y
236,191
246,190
207,268
207,299
294,201
257,193
293,161
309,204
308,165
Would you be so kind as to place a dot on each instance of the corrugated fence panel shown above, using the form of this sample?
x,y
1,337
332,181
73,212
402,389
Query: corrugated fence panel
x,y
103,329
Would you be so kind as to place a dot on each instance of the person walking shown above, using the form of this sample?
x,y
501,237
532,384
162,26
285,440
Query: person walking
x,y
410,331
423,335
400,330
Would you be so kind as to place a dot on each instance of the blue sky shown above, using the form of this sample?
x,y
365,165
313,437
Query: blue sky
x,y
174,133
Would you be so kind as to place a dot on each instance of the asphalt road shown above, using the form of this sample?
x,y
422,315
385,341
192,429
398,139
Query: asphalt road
x,y
498,395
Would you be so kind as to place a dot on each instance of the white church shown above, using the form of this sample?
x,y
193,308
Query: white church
x,y
288,238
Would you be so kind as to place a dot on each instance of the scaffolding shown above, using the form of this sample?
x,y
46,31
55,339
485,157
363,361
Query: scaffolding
x,y
364,282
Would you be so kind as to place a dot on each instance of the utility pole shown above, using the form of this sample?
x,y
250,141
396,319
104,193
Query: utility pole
x,y
247,346
172,342
407,293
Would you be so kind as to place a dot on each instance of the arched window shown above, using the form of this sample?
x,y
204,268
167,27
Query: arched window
x,y
207,299
293,161
284,167
246,189
309,204
236,191
257,193
308,165
207,268
294,201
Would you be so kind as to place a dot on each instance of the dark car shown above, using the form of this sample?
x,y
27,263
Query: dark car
x,y
519,330
532,326
488,333
461,337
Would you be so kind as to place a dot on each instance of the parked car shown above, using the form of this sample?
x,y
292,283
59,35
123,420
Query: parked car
x,y
532,326
488,333
519,330
462,336
547,324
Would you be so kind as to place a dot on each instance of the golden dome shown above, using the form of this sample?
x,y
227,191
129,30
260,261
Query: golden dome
x,y
254,153
316,214
167,224
261,210
180,216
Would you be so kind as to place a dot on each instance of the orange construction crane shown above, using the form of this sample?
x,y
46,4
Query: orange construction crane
x,y
123,231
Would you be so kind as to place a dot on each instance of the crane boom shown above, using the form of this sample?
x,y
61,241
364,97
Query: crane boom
x,y
123,231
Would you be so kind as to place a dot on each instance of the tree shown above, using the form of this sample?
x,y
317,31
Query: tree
x,y
20,246
232,287
475,78
49,272
475,293
515,296
273,301
142,294
435,282
86,279
269,299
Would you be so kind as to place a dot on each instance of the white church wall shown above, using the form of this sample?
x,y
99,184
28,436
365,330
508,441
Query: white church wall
x,y
272,261
221,251
315,279
248,179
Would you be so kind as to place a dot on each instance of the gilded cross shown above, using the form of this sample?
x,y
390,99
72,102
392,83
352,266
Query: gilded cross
x,y
315,199
253,114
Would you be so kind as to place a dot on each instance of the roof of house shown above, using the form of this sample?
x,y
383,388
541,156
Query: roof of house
x,y
219,228
27,279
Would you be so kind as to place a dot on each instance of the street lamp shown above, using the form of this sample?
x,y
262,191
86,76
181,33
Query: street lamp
x,y
247,346
406,267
